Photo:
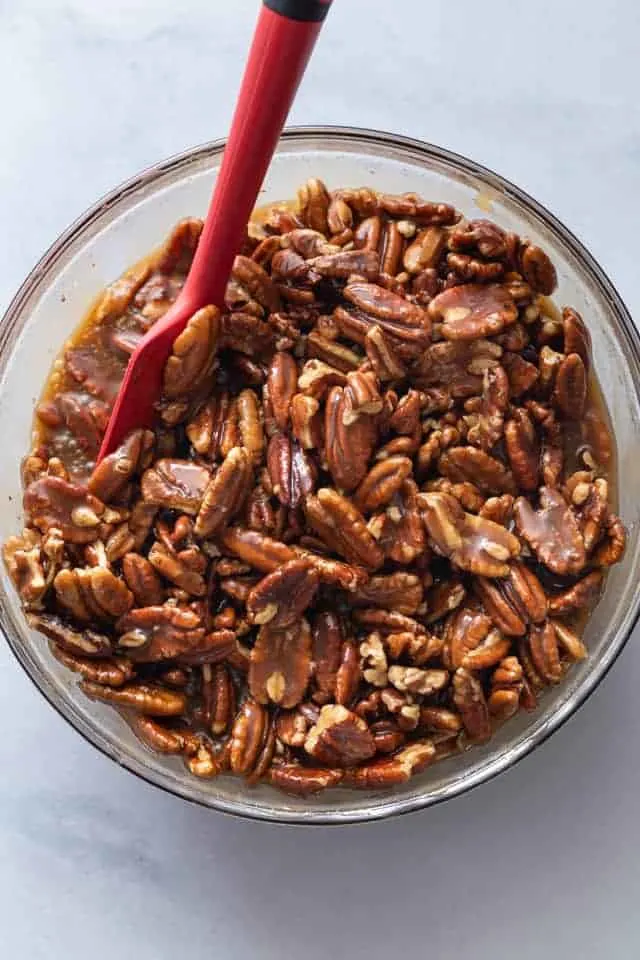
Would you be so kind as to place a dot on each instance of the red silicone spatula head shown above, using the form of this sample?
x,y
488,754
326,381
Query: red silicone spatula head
x,y
283,40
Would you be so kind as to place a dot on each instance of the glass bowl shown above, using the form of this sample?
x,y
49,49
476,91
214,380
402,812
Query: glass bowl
x,y
131,221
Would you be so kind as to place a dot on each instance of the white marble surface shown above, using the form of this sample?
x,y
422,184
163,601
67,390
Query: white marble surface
x,y
542,861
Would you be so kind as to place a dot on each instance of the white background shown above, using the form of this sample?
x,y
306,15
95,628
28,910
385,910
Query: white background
x,y
542,862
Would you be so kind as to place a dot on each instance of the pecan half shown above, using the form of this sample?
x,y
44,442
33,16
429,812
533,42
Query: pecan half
x,y
92,593
470,701
112,474
473,543
193,354
175,484
342,527
552,532
54,502
292,471
281,664
340,738
349,439
141,697
302,781
382,481
281,597
225,493
471,311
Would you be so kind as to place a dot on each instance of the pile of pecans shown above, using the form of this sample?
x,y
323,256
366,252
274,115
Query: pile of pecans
x,y
372,516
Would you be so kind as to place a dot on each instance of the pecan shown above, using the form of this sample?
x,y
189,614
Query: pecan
x,y
399,591
522,449
537,269
218,697
326,654
382,355
346,263
399,530
248,735
390,311
470,464
292,726
306,423
473,543
109,673
577,338
159,632
387,736
249,424
543,647
281,597
54,502
282,381
570,393
79,643
254,548
515,601
313,205
495,401
112,474
392,771
498,509
193,354
472,642
292,471
342,527
175,484
318,377
443,598
340,738
201,761
92,593
469,700
581,596
440,720
569,641
552,532
424,251
612,549
418,681
225,493
349,439
185,568
281,664
162,739
471,311
521,373
141,697
374,663
303,781
383,480
596,435
406,416
257,282
142,580
506,689
24,559
332,353
348,675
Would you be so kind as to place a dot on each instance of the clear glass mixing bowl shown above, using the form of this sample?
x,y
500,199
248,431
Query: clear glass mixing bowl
x,y
132,220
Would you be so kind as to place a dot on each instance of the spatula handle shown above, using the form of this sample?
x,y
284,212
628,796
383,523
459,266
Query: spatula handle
x,y
282,44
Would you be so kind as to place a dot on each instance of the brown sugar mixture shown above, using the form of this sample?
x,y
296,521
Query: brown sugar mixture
x,y
371,518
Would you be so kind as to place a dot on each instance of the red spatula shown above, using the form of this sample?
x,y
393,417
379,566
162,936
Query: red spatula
x,y
282,44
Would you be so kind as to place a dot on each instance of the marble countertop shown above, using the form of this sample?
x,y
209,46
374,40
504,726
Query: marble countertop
x,y
540,862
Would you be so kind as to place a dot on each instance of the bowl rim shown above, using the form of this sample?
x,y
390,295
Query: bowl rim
x,y
493,767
